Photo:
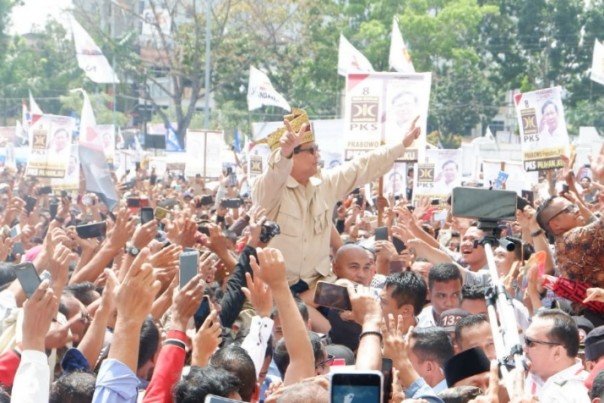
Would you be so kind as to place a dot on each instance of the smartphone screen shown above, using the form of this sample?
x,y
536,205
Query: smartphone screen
x,y
53,209
30,203
219,399
28,277
45,190
188,266
147,215
93,230
161,213
133,202
332,296
399,245
387,374
363,387
381,234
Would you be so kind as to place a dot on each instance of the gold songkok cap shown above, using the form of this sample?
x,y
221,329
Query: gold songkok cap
x,y
296,118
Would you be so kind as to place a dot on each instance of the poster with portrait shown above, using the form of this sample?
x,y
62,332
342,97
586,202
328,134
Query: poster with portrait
x,y
543,132
380,107
107,133
71,181
437,177
204,150
517,178
395,181
49,145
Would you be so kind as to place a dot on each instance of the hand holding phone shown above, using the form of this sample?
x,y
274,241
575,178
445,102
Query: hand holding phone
x,y
354,386
93,230
188,266
147,215
28,278
332,296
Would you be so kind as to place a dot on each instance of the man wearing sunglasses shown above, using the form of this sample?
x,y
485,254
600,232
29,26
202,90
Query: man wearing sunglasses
x,y
551,345
301,198
579,239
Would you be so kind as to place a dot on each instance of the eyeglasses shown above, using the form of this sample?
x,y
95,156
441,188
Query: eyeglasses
x,y
570,209
531,342
311,150
326,363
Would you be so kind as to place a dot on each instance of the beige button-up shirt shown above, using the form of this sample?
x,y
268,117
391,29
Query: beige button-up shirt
x,y
304,212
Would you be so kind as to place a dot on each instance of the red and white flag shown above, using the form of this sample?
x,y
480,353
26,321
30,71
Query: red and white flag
x,y
33,106
260,92
399,58
597,65
350,60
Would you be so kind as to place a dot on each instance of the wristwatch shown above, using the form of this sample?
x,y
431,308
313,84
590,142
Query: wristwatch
x,y
132,250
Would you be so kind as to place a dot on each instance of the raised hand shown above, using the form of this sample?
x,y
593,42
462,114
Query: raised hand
x,y
412,134
206,340
38,313
186,301
270,267
291,139
259,294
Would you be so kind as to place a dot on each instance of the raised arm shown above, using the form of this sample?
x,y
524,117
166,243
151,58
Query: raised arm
x,y
272,271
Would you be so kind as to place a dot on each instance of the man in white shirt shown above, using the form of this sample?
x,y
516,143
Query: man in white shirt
x,y
551,346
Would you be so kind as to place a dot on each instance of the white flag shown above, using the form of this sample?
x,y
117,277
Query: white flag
x,y
350,60
399,58
597,65
261,92
34,109
90,57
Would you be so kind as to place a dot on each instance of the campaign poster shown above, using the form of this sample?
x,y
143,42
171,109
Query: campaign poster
x,y
71,181
381,107
257,160
49,145
204,151
441,172
107,133
543,133
395,181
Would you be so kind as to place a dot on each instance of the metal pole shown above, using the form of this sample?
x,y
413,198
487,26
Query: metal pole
x,y
112,12
208,65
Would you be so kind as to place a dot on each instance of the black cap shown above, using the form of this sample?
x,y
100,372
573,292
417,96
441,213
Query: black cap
x,y
466,364
594,344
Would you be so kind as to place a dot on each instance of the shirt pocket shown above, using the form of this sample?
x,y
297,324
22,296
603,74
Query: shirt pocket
x,y
290,222
320,214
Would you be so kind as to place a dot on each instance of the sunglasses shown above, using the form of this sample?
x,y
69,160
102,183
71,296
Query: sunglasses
x,y
531,342
570,209
311,150
325,363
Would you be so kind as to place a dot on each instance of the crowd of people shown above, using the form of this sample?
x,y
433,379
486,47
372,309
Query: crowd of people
x,y
113,316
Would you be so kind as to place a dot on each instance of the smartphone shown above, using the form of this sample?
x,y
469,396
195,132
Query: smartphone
x,y
359,200
30,203
147,215
161,213
521,203
28,277
93,230
356,386
387,375
232,179
53,208
45,190
231,203
332,296
206,200
565,188
188,263
15,231
133,202
435,202
219,399
399,245
381,234
529,195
